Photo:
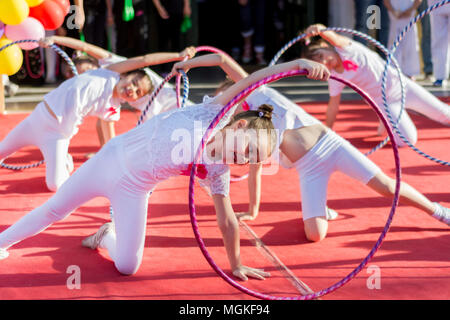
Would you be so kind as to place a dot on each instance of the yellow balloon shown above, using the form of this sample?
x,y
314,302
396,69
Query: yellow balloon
x,y
13,11
34,3
11,58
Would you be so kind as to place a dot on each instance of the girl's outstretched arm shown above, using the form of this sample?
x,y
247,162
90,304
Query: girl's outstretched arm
x,y
254,192
336,40
316,71
228,65
332,110
151,59
229,227
90,49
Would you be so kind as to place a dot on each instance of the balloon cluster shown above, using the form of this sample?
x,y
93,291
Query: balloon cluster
x,y
26,19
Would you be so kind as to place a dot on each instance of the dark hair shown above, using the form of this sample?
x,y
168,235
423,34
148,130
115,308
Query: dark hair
x,y
78,60
140,74
309,50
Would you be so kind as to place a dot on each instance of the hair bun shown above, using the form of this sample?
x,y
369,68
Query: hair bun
x,y
266,110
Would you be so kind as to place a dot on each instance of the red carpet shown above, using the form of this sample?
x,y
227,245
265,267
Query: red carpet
x,y
413,262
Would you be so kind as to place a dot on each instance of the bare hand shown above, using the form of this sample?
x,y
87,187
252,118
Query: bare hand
x,y
316,71
180,65
242,216
188,52
163,13
46,42
244,272
315,29
79,19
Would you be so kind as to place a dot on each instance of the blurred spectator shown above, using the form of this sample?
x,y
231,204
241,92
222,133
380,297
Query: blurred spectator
x,y
341,13
170,17
362,17
440,43
94,28
252,15
132,36
407,52
426,41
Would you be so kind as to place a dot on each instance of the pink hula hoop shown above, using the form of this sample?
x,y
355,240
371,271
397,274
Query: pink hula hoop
x,y
177,89
198,157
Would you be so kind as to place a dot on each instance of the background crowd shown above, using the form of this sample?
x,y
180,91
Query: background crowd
x,y
252,31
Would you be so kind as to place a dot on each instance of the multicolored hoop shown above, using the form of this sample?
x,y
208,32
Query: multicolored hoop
x,y
75,72
198,158
372,41
384,79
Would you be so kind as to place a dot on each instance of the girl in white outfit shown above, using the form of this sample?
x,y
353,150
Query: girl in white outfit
x,y
358,64
316,152
129,167
407,53
98,93
99,57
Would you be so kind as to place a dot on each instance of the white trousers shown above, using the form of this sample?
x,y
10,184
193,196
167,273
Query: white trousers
x,y
420,100
407,52
332,153
104,175
440,41
40,129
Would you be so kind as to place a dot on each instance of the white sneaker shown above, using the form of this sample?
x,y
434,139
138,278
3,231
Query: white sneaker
x,y
3,254
11,89
442,213
93,241
331,214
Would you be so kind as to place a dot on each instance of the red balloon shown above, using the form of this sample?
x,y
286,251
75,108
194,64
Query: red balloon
x,y
49,13
64,4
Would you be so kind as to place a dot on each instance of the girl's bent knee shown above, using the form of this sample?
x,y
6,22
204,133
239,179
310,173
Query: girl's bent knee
x,y
127,268
316,228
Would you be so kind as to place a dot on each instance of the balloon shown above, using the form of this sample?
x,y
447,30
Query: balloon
x,y
13,11
11,58
34,3
30,28
64,4
49,13
2,29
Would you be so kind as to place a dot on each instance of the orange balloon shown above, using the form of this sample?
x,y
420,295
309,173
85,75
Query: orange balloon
x,y
11,58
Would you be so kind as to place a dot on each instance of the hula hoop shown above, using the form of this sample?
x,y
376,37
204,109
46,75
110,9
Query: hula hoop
x,y
383,81
371,40
198,158
74,70
177,89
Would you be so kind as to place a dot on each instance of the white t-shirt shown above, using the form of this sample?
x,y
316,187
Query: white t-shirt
x,y
364,68
286,114
89,94
164,101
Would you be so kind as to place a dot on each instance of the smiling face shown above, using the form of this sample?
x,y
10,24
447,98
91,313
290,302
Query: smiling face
x,y
327,57
236,144
133,86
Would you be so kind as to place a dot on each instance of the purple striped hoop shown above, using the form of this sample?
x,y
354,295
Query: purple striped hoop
x,y
198,157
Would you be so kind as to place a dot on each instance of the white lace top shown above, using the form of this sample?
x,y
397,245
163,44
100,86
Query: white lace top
x,y
165,146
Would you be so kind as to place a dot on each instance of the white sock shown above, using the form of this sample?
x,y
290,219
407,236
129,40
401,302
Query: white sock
x,y
442,213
